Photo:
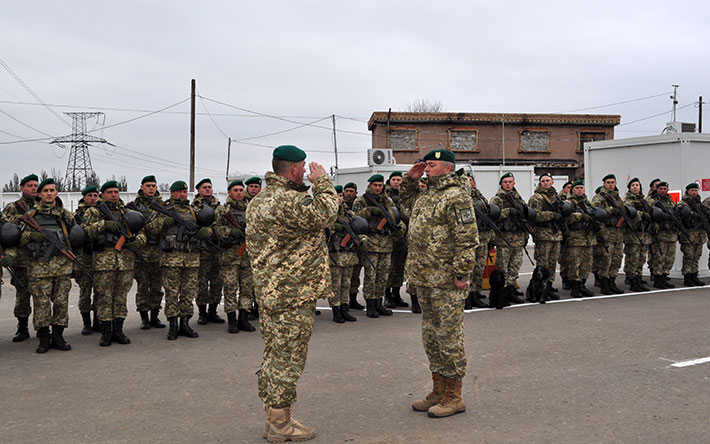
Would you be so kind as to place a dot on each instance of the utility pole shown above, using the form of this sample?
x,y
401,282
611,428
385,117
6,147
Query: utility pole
x,y
700,114
229,154
335,143
79,165
192,136
502,137
675,100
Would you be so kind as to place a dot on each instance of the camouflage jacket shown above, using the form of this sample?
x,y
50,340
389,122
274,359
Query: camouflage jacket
x,y
694,221
667,230
563,196
443,233
58,264
13,213
141,203
83,255
545,227
349,203
642,224
175,253
223,232
512,227
378,242
611,232
342,256
213,203
106,258
581,232
485,233
286,241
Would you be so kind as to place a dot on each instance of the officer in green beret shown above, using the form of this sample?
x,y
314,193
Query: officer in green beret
x,y
49,281
580,241
13,213
399,247
253,186
662,255
694,217
636,242
564,194
612,235
179,261
149,294
383,229
90,194
209,288
349,196
652,187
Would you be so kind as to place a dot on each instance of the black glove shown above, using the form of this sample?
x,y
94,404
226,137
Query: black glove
x,y
236,234
7,260
375,211
112,226
338,227
38,237
514,212
134,245
203,233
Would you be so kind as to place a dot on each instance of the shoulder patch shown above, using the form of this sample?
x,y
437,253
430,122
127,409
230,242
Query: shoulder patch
x,y
466,216
307,201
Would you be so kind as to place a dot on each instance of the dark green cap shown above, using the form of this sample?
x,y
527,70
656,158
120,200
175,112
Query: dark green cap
x,y
663,184
150,178
28,178
234,183
376,178
508,174
608,176
338,189
635,179
109,184
691,185
47,181
255,179
290,153
395,173
654,181
178,185
566,183
352,185
599,188
577,182
205,180
89,189
441,154
545,174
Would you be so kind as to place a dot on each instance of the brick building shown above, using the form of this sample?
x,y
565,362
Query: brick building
x,y
551,142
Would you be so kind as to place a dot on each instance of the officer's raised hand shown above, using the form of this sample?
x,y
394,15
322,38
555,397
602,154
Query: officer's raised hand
x,y
417,170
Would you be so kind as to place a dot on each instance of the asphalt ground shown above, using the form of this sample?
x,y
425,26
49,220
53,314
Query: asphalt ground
x,y
595,370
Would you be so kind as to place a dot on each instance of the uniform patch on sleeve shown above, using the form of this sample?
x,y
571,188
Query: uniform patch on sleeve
x,y
466,216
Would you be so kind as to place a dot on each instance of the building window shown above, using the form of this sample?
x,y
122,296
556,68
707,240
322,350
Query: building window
x,y
402,139
589,136
463,140
534,141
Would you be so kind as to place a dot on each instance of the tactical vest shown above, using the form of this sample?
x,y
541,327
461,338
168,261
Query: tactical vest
x,y
549,206
49,224
107,239
241,217
172,239
482,208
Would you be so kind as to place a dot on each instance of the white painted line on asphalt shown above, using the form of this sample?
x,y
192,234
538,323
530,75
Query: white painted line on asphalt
x,y
689,363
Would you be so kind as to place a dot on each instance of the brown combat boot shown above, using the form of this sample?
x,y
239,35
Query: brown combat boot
x,y
422,405
282,427
451,403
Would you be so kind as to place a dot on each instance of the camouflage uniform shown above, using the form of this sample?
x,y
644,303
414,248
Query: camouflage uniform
x,y
399,246
694,225
706,204
563,197
85,257
655,248
634,251
580,241
235,268
342,261
13,214
443,238
611,233
509,260
286,244
548,228
149,294
485,236
662,255
209,290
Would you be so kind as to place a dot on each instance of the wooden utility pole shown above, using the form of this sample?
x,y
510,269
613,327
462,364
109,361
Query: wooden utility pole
x,y
192,136
700,114
335,143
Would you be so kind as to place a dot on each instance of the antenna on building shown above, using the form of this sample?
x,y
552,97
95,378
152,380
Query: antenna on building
x,y
675,100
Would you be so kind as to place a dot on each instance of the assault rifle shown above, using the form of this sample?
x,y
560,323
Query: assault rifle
x,y
594,225
229,217
524,209
187,228
126,235
702,214
388,217
675,221
486,219
625,216
350,235
648,210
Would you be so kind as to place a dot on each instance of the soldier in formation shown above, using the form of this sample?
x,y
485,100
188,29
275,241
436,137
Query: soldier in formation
x,y
486,236
548,229
694,217
637,236
90,194
399,247
611,235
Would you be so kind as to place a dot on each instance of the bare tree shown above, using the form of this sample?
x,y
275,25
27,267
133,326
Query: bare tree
x,y
164,186
425,106
122,182
13,185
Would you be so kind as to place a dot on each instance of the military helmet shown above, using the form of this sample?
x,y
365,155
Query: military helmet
x,y
397,217
359,225
135,220
565,208
600,214
632,211
530,214
656,214
77,237
10,235
206,216
684,212
494,211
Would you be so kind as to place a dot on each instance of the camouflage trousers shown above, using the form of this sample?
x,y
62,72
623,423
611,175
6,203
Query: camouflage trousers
x,y
691,256
180,285
237,278
547,253
509,260
286,332
85,288
340,281
150,292
355,278
579,262
662,258
442,330
477,273
411,289
610,259
634,258
376,277
50,297
111,288
22,295
209,290
562,260
399,257
597,252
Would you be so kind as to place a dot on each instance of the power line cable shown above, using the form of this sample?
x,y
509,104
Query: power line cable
x,y
615,103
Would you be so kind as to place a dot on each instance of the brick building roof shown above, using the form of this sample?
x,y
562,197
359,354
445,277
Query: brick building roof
x,y
381,117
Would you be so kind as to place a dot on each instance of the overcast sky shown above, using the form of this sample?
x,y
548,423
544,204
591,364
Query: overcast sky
x,y
307,60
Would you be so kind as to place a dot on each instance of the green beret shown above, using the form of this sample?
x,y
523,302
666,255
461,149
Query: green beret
x,y
395,173
441,154
350,185
577,183
569,183
663,184
255,179
608,176
234,183
178,185
28,178
47,181
109,184
338,189
504,176
635,179
654,181
691,185
205,180
290,153
150,178
89,189
376,178
545,175
599,188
